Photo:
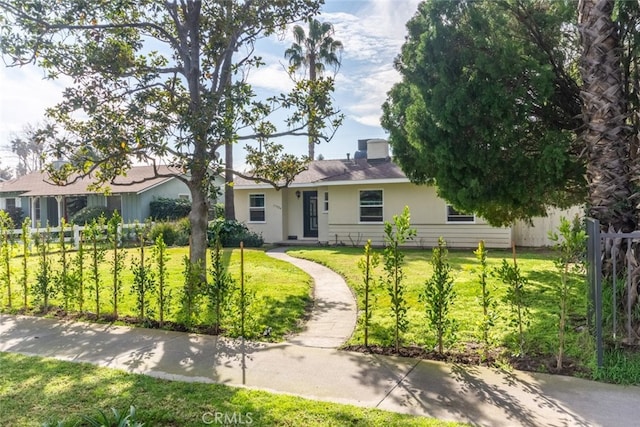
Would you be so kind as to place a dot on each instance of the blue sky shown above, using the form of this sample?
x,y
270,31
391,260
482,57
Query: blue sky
x,y
372,32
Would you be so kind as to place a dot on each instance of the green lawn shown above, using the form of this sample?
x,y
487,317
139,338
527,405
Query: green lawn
x,y
281,292
34,390
536,265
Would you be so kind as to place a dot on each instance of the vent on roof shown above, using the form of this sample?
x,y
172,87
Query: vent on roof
x,y
372,149
377,149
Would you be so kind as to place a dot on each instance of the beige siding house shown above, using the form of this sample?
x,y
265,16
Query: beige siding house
x,y
347,202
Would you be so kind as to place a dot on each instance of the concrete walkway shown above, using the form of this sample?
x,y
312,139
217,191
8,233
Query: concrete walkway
x,y
474,395
334,313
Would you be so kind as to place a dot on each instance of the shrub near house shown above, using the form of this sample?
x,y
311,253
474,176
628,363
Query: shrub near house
x,y
164,208
231,233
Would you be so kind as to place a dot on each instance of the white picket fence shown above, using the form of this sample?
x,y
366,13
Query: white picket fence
x,y
72,233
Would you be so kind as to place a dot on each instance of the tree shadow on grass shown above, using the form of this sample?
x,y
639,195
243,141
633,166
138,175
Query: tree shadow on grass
x,y
46,390
160,353
275,319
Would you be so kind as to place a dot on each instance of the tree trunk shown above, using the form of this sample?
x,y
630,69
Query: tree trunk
x,y
606,135
611,171
229,203
312,128
198,220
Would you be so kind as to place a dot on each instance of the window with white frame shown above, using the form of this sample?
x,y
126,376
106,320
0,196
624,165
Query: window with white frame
x,y
455,216
371,207
256,208
325,202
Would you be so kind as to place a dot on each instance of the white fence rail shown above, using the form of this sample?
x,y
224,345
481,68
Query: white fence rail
x,y
72,233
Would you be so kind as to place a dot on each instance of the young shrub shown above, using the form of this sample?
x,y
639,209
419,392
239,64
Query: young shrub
x,y
489,304
16,214
43,290
397,233
78,273
167,230
191,292
94,236
6,249
221,286
183,232
439,296
232,232
570,243
239,321
25,238
516,298
117,260
218,210
64,279
164,294
143,280
88,214
367,265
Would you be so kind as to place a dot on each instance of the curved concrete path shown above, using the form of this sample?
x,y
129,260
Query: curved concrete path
x,y
334,313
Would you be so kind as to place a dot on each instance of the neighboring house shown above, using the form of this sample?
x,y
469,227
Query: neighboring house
x,y
46,203
347,202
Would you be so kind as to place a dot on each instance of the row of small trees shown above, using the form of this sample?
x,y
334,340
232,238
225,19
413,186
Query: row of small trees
x,y
78,279
439,295
78,282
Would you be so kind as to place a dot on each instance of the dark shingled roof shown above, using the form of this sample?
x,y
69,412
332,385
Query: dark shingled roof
x,y
137,180
324,171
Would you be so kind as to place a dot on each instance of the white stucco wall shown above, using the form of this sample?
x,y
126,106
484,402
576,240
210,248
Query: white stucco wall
x,y
323,216
275,211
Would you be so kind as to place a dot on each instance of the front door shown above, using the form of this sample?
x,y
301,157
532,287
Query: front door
x,y
310,212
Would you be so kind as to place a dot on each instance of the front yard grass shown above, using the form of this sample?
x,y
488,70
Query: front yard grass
x,y
36,390
281,291
536,265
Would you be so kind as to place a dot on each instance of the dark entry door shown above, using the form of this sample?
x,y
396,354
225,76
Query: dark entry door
x,y
310,212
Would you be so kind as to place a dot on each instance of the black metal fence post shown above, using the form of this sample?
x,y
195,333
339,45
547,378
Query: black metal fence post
x,y
594,276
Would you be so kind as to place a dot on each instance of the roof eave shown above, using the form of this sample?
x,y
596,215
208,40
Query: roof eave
x,y
256,186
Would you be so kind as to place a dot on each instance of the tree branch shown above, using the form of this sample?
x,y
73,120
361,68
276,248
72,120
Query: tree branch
x,y
275,185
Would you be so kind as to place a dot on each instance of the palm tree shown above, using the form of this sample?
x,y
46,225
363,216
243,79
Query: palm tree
x,y
610,139
606,133
314,52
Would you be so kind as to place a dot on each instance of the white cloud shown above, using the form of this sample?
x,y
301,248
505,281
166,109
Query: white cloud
x,y
372,38
25,97
272,77
370,92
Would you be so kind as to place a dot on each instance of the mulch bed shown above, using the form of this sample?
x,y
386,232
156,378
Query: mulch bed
x,y
472,356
